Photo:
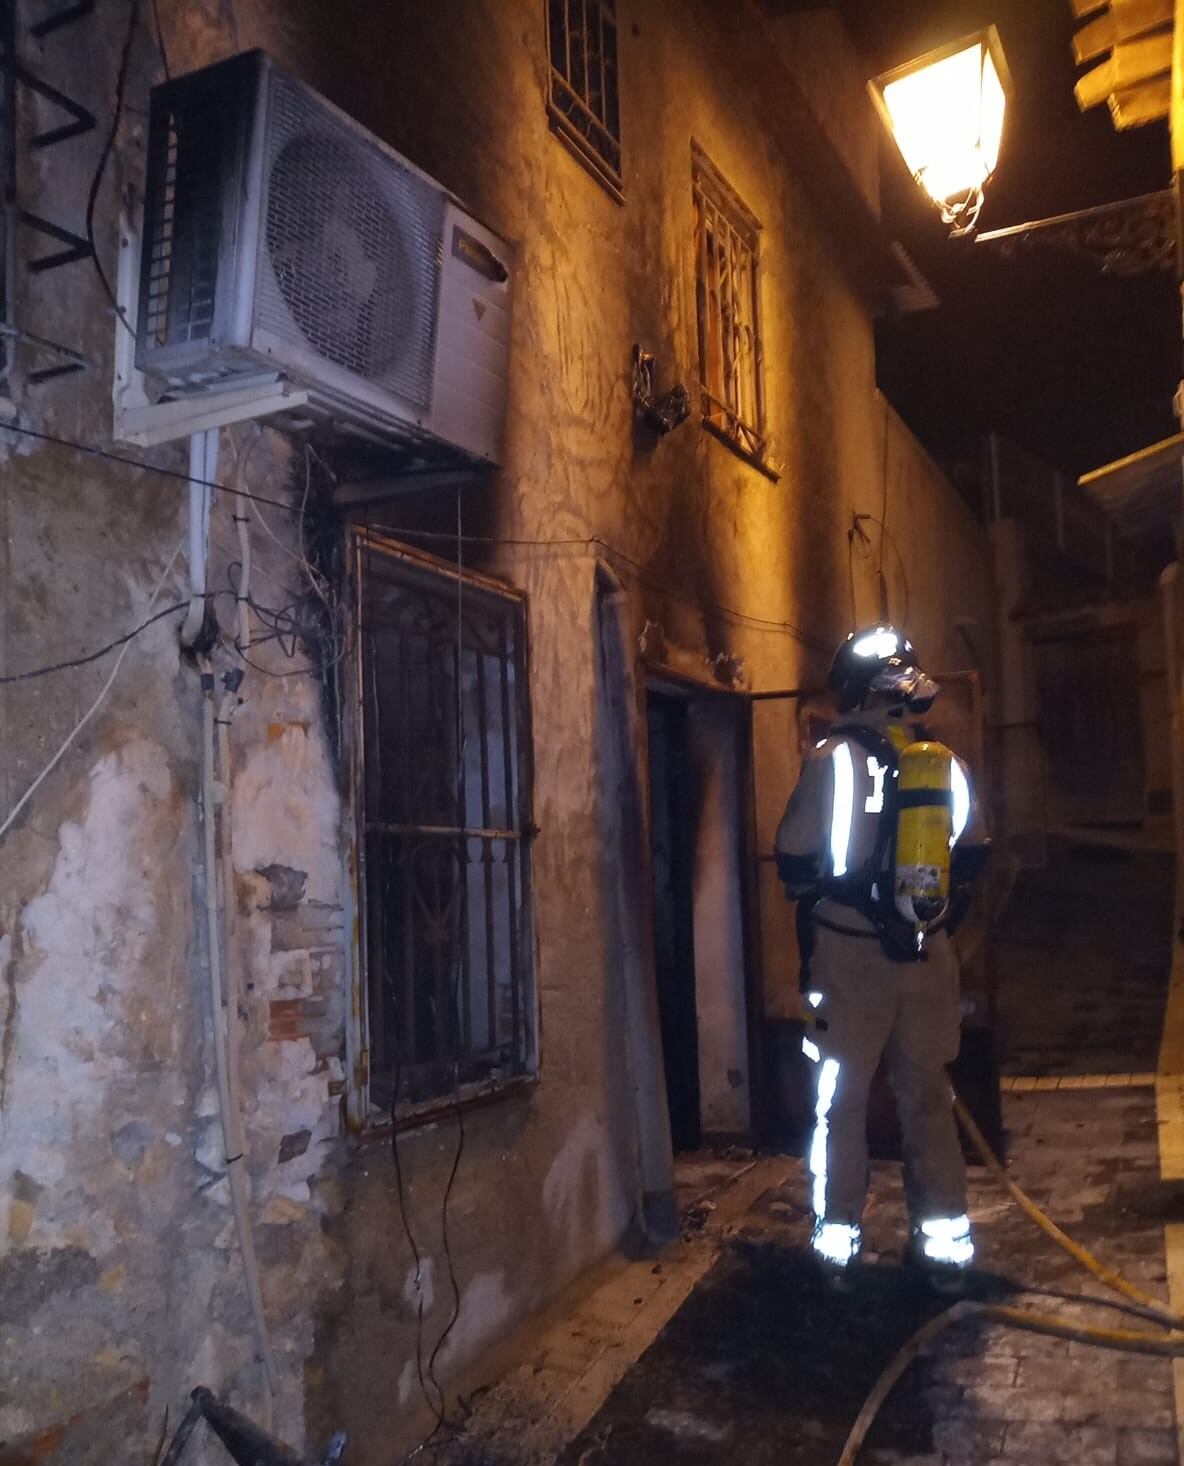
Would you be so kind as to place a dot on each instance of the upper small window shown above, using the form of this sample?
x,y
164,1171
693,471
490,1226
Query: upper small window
x,y
584,104
731,372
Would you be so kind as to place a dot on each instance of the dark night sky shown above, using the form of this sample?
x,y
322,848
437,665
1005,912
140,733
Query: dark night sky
x,y
1074,365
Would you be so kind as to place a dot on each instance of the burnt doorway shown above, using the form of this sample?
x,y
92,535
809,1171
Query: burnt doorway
x,y
701,858
1090,717
674,906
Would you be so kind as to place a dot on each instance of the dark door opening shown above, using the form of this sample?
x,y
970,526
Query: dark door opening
x,y
1090,718
674,940
706,978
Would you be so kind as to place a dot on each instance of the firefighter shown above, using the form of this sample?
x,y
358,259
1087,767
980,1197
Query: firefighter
x,y
878,845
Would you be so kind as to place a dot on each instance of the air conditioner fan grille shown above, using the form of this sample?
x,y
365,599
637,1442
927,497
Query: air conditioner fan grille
x,y
352,249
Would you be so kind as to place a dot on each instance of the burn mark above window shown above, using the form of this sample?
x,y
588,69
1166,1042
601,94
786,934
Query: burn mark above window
x,y
727,295
584,102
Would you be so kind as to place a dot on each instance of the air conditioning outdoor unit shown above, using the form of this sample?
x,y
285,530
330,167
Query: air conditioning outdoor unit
x,y
281,237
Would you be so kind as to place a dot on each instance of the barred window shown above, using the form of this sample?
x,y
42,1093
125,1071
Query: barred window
x,y
727,278
445,793
584,102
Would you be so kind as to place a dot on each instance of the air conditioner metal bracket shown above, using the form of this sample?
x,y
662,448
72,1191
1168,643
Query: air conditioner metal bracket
x,y
139,420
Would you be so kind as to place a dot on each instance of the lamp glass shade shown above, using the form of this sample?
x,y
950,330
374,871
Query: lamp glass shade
x,y
946,113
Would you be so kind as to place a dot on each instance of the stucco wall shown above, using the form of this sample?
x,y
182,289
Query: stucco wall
x,y
119,1258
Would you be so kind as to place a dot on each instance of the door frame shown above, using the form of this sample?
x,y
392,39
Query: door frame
x,y
656,676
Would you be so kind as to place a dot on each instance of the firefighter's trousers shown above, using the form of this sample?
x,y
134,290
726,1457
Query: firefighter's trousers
x,y
910,1013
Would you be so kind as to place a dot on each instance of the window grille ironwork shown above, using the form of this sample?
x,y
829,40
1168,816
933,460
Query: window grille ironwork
x,y
446,791
727,281
584,102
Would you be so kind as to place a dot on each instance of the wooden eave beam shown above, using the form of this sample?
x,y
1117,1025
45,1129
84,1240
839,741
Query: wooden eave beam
x,y
1130,63
1151,101
1121,22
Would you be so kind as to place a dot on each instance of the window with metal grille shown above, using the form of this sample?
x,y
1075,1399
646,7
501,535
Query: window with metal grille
x,y
584,102
445,792
727,281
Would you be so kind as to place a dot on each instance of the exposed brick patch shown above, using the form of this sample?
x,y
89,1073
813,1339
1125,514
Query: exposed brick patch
x,y
295,1018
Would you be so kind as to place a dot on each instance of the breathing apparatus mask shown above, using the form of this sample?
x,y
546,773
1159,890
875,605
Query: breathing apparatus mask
x,y
908,685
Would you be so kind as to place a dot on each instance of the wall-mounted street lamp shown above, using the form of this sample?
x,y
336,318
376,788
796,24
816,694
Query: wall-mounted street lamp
x,y
945,111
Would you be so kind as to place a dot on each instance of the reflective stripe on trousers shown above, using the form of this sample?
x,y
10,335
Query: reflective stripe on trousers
x,y
908,1012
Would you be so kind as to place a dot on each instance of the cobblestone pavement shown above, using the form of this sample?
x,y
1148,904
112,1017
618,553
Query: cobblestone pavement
x,y
766,1362
735,1348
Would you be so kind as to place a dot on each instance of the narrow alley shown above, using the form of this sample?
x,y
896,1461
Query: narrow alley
x,y
591,613
766,1361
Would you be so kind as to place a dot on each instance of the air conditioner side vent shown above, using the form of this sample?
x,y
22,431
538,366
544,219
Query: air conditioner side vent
x,y
350,254
192,140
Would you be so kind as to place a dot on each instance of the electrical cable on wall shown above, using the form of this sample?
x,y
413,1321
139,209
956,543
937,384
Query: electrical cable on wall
x,y
67,743
815,643
458,1108
217,839
856,534
104,157
594,541
438,1405
904,574
88,657
397,1160
160,46
93,450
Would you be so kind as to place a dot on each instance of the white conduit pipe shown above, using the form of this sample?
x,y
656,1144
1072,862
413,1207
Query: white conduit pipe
x,y
203,466
232,1134
203,459
224,846
242,520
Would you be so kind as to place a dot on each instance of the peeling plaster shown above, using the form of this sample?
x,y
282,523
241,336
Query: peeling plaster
x,y
79,1025
289,787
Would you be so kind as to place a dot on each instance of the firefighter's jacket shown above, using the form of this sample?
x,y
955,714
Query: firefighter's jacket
x,y
832,826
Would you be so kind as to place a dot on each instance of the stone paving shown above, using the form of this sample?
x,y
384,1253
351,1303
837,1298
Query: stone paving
x,y
768,1363
756,1357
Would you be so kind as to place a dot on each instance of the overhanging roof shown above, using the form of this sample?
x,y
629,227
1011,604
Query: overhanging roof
x,y
1131,43
1144,492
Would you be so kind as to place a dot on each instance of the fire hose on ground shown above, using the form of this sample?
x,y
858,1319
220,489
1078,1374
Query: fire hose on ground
x,y
1139,1304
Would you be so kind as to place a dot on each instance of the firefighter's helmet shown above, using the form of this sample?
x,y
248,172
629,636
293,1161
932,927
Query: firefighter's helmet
x,y
882,663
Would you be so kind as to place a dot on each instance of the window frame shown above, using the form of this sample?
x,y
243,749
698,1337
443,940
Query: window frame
x,y
363,1113
746,432
561,81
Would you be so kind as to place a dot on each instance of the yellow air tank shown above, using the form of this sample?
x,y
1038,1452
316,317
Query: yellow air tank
x,y
924,828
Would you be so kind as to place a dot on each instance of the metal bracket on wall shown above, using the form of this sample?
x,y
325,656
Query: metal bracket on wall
x,y
1132,237
82,120
69,361
79,121
58,18
76,249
